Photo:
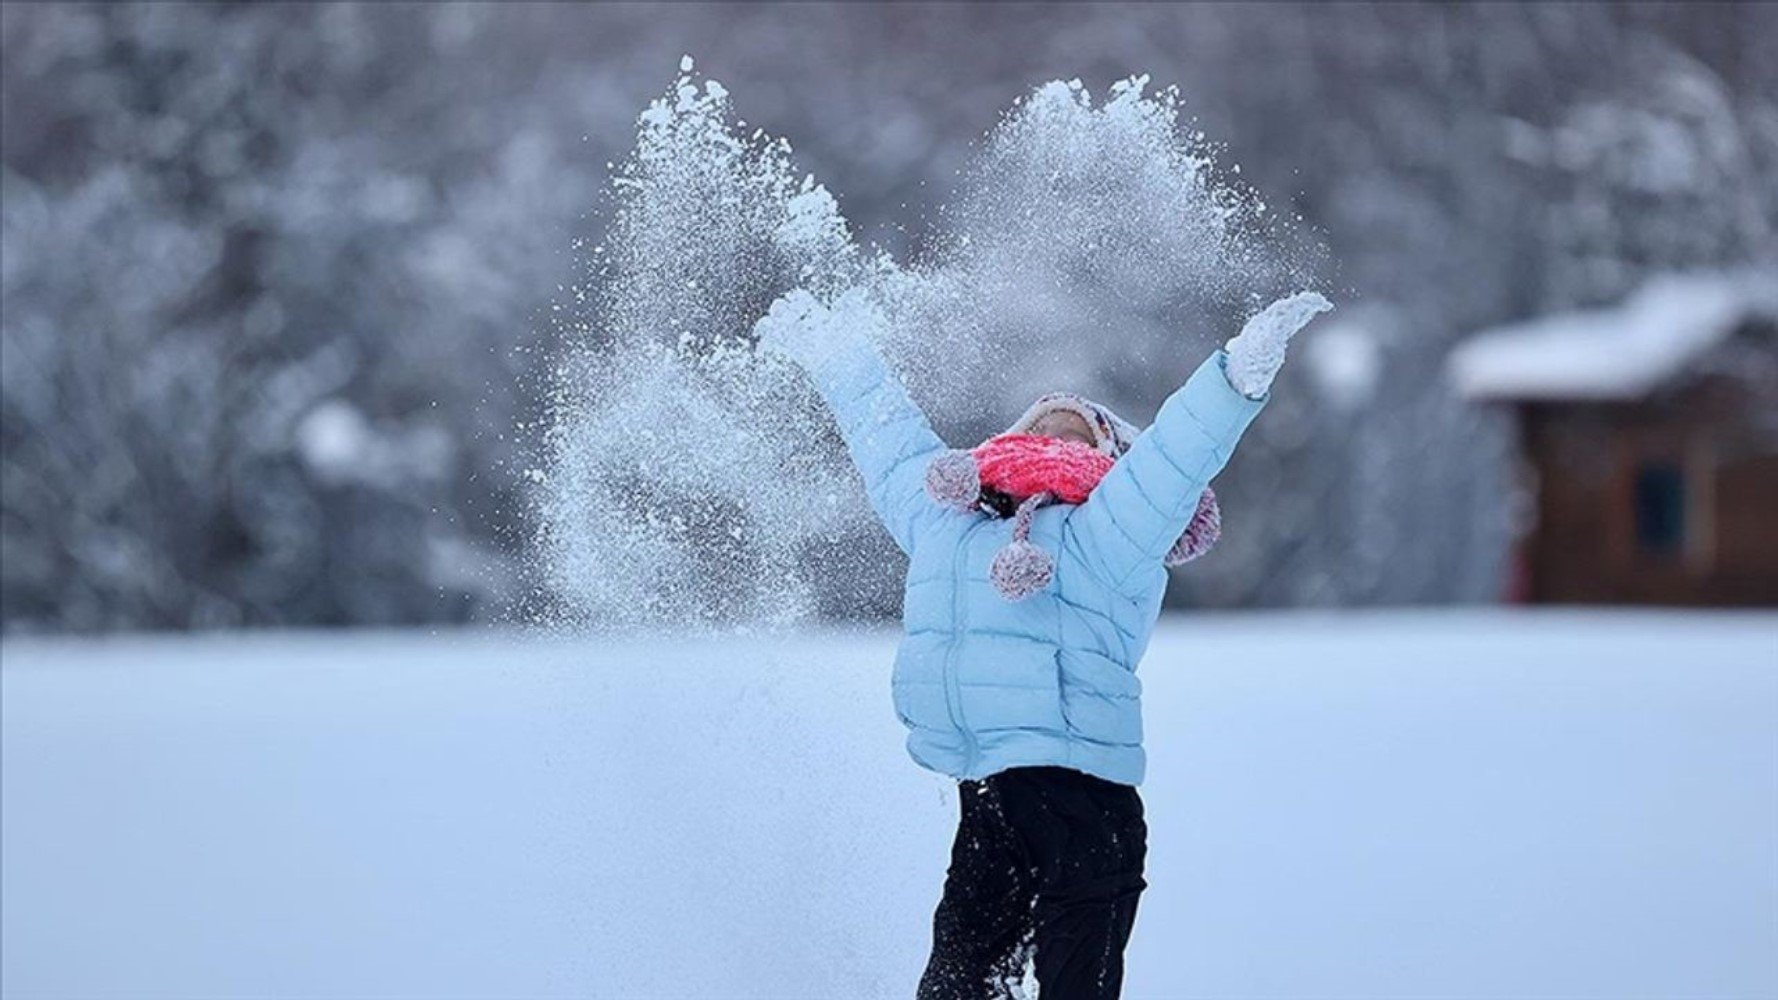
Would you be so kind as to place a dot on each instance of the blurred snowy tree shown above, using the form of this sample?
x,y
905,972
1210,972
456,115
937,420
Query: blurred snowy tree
x,y
269,289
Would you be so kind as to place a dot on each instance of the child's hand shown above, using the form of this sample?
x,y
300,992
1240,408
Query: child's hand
x,y
794,328
1257,352
802,329
789,323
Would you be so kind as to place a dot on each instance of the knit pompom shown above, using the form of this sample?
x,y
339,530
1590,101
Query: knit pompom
x,y
1201,534
953,481
1020,570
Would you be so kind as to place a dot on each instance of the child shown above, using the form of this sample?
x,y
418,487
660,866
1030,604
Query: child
x,y
1036,568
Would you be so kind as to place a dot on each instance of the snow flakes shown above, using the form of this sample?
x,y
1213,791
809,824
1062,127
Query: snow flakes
x,y
1070,221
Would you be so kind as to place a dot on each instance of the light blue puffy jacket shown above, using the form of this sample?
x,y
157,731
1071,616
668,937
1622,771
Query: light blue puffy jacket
x,y
983,683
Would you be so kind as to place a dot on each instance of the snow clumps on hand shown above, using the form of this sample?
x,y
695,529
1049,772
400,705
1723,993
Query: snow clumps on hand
x,y
1257,352
800,328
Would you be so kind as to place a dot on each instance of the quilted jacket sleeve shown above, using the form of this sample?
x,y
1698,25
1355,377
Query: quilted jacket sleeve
x,y
1137,511
889,439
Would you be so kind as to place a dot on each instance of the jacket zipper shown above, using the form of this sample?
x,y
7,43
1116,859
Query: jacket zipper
x,y
953,688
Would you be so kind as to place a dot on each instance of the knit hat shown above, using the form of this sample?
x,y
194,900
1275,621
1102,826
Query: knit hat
x,y
1112,434
1016,472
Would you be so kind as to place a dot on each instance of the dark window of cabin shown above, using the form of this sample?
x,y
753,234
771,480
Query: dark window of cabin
x,y
1660,508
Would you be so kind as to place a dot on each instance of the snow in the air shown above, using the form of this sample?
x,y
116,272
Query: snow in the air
x,y
1393,806
690,481
1620,352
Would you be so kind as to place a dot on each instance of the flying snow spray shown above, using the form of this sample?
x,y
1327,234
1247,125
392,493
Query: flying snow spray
x,y
689,481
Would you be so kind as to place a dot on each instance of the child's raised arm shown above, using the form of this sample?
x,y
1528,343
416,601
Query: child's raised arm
x,y
1139,509
889,439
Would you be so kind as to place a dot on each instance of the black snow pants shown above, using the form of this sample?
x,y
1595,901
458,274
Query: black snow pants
x,y
1047,865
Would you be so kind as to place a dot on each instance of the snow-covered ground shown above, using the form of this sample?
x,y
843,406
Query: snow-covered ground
x,y
1483,804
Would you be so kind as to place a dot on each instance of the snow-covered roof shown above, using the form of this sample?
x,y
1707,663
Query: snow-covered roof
x,y
1620,352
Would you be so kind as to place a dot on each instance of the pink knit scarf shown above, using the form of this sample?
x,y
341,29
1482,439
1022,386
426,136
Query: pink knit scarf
x,y
1024,465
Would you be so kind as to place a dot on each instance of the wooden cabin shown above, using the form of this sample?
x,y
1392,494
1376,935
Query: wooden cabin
x,y
1648,443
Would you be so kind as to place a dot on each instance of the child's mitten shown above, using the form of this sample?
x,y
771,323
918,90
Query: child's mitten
x,y
792,327
803,329
1257,352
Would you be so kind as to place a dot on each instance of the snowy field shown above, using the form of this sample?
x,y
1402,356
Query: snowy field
x,y
1474,805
